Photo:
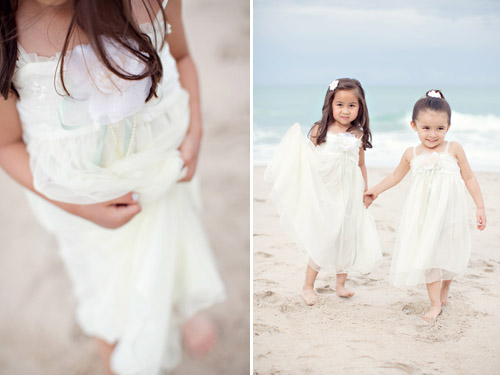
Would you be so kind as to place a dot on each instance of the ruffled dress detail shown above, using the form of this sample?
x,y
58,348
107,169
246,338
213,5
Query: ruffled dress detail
x,y
137,284
318,192
433,241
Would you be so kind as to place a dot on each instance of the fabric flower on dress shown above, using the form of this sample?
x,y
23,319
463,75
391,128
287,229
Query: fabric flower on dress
x,y
429,161
97,94
348,141
334,85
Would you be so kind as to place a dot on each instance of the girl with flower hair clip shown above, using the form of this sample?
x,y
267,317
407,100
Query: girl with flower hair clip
x,y
433,240
318,186
100,120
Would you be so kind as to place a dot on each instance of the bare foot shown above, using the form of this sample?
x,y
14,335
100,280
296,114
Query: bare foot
x,y
343,292
445,288
199,334
308,296
432,314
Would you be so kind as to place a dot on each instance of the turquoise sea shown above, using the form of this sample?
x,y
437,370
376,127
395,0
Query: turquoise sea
x,y
475,121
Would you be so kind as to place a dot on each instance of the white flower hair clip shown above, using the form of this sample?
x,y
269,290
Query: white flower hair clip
x,y
434,94
334,85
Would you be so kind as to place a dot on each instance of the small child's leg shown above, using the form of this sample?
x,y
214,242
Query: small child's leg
x,y
308,289
445,288
341,289
434,290
105,351
199,334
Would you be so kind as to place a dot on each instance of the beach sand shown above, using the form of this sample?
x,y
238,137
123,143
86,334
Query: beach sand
x,y
380,330
38,333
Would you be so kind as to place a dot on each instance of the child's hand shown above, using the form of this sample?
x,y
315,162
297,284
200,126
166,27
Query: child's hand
x,y
189,153
481,218
367,200
111,214
370,193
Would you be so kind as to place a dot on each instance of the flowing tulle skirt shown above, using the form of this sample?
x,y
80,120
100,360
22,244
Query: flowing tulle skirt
x,y
134,285
433,241
319,198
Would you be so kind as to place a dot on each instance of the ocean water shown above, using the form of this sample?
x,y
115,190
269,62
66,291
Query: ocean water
x,y
475,121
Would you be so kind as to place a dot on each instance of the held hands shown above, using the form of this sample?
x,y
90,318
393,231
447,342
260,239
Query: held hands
x,y
367,200
189,149
369,196
111,214
481,218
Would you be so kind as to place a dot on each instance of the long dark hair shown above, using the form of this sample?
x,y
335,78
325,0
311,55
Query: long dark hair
x,y
361,122
96,18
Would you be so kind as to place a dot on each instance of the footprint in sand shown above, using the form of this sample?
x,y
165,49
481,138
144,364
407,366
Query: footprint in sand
x,y
325,290
413,308
263,254
267,283
481,263
291,306
261,329
268,296
472,276
405,368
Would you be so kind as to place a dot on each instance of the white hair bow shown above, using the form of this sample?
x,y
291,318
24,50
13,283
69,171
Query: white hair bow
x,y
334,85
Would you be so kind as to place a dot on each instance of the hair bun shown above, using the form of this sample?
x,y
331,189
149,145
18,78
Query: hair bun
x,y
434,94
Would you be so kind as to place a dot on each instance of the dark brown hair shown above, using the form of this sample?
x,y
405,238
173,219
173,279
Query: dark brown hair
x,y
96,18
361,122
8,45
431,103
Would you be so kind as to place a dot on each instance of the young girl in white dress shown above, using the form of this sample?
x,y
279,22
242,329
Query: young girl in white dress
x,y
318,187
100,119
433,241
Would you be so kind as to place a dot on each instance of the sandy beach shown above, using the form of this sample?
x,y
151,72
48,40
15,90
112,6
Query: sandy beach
x,y
380,330
38,333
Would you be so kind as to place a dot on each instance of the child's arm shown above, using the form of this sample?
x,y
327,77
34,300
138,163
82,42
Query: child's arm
x,y
470,182
314,134
394,178
14,159
189,80
367,199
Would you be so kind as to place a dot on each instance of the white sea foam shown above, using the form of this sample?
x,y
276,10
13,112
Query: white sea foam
x,y
479,135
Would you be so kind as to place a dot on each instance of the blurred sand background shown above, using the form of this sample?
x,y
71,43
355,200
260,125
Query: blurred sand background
x,y
38,333
380,329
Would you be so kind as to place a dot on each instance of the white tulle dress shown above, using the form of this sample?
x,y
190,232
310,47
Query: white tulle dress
x,y
319,195
137,284
433,240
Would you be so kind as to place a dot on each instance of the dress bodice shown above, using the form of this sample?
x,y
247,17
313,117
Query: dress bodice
x,y
77,158
434,163
37,81
345,145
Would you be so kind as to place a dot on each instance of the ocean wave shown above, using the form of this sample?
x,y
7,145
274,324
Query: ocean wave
x,y
478,135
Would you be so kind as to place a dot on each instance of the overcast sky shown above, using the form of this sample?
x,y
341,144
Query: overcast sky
x,y
383,42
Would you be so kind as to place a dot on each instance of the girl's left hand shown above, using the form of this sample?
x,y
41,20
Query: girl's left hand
x,y
481,218
189,153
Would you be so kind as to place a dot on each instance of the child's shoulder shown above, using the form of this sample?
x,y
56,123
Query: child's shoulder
x,y
314,130
454,146
455,149
409,153
313,134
